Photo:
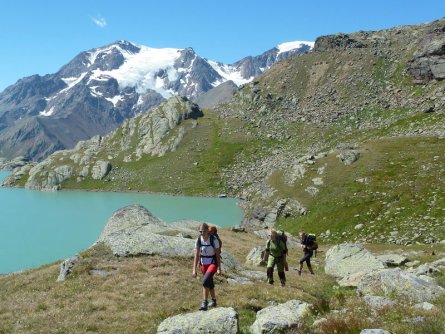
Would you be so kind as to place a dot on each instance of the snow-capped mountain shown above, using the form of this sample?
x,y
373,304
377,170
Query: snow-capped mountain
x,y
98,89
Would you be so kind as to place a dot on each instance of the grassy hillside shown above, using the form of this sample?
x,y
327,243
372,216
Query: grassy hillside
x,y
394,187
128,300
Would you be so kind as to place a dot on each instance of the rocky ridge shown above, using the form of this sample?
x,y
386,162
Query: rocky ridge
x,y
154,138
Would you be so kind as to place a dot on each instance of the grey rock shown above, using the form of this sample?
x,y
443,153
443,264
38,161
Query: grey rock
x,y
374,331
415,320
100,169
401,284
427,269
351,280
41,177
17,162
255,256
221,320
439,263
184,235
349,156
239,280
67,266
237,229
425,306
429,62
393,260
346,259
412,263
253,274
133,230
378,302
280,318
259,213
228,261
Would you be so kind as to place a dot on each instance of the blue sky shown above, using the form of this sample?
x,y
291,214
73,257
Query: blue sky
x,y
38,37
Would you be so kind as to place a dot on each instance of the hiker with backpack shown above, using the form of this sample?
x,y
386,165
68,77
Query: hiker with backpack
x,y
308,245
275,254
207,254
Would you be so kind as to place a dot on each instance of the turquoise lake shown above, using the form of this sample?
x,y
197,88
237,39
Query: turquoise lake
x,y
42,227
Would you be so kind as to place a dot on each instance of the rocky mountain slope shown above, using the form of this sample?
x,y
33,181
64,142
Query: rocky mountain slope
x,y
100,88
346,141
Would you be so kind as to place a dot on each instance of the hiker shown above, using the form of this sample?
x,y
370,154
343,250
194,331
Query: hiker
x,y
207,253
307,245
275,254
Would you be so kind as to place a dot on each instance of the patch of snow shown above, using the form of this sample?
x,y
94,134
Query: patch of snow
x,y
94,93
115,99
47,112
284,47
71,82
228,72
140,70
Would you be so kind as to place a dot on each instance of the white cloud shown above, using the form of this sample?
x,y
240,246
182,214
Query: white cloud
x,y
99,21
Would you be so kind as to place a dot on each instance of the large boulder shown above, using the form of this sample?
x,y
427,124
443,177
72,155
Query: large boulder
x,y
255,256
400,283
223,320
347,259
133,230
100,170
279,318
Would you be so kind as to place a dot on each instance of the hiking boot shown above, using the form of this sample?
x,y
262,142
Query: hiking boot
x,y
203,306
212,303
299,272
270,282
283,284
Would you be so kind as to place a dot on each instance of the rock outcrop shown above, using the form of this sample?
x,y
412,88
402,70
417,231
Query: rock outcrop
x,y
133,230
221,320
67,266
402,284
347,259
428,63
148,134
100,170
255,256
280,318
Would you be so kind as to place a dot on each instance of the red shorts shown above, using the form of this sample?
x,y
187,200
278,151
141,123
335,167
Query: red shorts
x,y
208,268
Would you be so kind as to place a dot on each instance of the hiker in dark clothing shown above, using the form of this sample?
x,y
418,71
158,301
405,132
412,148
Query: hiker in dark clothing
x,y
306,245
275,254
207,254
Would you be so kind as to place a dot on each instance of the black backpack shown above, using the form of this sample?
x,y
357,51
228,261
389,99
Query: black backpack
x,y
311,241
